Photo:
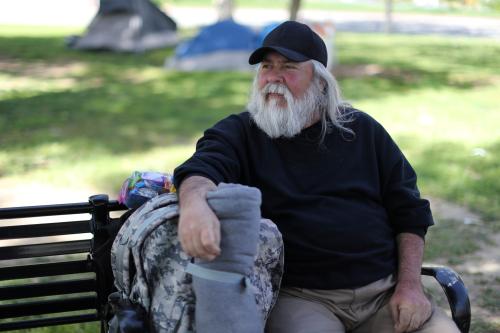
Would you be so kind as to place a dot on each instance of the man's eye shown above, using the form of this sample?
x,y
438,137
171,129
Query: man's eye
x,y
290,66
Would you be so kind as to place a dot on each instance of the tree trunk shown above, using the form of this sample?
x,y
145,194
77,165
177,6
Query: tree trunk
x,y
294,9
225,9
388,16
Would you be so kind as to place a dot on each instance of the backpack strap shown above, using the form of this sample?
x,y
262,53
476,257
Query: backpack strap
x,y
151,221
214,275
137,221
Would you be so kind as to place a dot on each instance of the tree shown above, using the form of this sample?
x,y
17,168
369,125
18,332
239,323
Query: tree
x,y
294,9
225,9
388,16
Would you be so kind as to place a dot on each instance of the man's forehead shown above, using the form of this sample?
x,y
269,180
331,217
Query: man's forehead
x,y
276,57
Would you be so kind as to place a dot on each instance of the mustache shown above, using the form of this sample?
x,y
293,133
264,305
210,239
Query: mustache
x,y
275,88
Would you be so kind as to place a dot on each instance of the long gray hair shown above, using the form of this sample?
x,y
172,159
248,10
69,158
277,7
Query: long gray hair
x,y
336,111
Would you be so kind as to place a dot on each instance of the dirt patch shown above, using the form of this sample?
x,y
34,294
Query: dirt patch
x,y
41,69
364,70
446,210
479,270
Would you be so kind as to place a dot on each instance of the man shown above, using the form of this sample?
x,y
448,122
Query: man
x,y
341,192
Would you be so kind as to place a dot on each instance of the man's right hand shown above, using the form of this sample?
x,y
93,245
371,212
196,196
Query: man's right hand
x,y
199,227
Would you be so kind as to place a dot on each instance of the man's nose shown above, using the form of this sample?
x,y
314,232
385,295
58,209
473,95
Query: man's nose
x,y
275,76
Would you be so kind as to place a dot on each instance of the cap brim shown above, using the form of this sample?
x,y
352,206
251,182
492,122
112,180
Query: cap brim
x,y
259,54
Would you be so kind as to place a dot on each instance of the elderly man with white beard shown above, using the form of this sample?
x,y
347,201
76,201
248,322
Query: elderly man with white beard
x,y
337,186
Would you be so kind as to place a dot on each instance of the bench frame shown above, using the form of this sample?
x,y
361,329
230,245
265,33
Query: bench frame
x,y
104,229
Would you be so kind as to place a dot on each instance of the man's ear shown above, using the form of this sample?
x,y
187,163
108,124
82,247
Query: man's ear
x,y
324,86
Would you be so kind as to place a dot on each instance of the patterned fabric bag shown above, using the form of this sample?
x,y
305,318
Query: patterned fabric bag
x,y
149,267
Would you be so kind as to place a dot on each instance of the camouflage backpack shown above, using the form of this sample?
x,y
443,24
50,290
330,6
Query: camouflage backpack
x,y
154,290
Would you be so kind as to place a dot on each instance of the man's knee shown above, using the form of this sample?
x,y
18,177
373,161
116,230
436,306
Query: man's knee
x,y
439,322
382,321
294,315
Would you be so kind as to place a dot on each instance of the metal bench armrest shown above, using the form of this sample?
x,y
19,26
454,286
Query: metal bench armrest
x,y
456,293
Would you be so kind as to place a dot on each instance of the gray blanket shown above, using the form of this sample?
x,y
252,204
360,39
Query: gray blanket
x,y
225,302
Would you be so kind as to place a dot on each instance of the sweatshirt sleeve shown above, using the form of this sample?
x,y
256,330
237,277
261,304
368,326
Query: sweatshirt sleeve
x,y
407,211
218,154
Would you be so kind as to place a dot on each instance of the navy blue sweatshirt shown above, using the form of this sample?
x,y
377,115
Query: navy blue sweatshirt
x,y
339,205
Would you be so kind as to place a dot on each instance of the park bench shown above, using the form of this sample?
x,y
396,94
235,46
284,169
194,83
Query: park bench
x,y
42,284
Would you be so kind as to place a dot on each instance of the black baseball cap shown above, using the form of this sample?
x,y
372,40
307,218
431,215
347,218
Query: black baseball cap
x,y
293,40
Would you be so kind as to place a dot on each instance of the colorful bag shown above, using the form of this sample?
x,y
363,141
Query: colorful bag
x,y
142,186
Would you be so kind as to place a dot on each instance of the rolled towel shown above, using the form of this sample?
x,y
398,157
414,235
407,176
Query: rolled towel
x,y
225,302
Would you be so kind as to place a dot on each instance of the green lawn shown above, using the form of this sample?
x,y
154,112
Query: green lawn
x,y
77,119
399,6
100,115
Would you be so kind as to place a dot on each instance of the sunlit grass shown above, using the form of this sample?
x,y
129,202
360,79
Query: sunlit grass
x,y
365,6
65,112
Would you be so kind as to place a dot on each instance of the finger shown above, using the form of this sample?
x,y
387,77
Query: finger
x,y
216,233
187,246
201,251
209,242
403,320
415,323
197,249
183,238
394,312
420,318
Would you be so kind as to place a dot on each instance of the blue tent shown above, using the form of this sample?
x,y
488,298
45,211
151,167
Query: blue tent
x,y
225,45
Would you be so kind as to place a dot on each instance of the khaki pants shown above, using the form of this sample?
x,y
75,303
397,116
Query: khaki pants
x,y
361,310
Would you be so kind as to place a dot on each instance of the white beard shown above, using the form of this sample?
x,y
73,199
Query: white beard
x,y
277,121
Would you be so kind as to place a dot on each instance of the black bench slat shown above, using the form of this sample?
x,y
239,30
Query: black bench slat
x,y
44,229
45,307
42,250
48,322
60,209
50,269
20,299
46,210
47,289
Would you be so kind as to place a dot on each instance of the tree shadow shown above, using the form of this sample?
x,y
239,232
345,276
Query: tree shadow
x,y
122,117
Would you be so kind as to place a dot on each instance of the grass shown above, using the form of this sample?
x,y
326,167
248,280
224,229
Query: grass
x,y
481,326
101,115
438,98
443,241
339,5
76,119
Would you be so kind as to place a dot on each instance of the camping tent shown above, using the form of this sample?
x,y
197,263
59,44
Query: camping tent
x,y
225,45
129,26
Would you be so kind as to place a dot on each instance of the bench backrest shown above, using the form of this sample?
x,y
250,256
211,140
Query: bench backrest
x,y
40,278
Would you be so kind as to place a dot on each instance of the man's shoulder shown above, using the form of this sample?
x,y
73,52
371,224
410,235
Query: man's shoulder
x,y
237,119
356,119
234,127
356,115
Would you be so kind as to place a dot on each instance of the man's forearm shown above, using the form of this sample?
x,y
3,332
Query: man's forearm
x,y
194,188
410,253
409,306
